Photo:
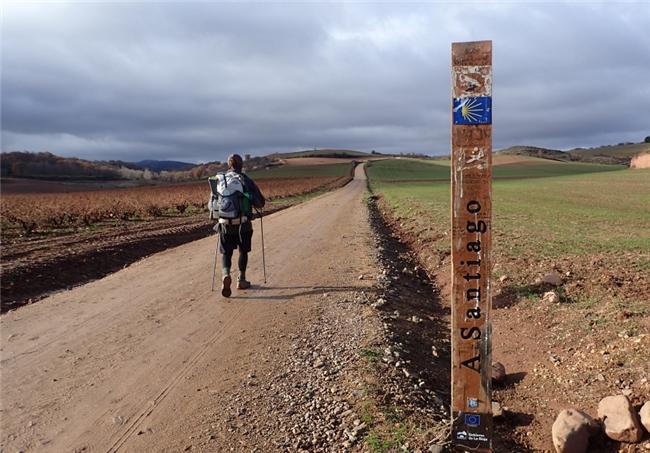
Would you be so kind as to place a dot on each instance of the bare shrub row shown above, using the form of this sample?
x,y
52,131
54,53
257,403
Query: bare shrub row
x,y
43,212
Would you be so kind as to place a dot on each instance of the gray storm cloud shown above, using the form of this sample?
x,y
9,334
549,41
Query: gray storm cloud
x,y
197,81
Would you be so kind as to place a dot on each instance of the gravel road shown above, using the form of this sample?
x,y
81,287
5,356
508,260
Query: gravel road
x,y
149,359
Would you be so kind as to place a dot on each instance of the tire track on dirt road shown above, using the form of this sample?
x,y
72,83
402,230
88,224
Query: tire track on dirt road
x,y
133,427
102,366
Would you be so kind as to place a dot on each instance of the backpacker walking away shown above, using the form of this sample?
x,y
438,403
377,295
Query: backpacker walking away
x,y
234,195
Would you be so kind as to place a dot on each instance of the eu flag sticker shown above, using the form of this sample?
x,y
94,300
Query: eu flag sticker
x,y
473,110
473,420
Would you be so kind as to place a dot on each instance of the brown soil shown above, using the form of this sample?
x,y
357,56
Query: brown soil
x,y
149,359
509,159
33,267
574,353
563,355
26,185
417,327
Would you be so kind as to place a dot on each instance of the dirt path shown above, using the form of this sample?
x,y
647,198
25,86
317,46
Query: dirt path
x,y
138,360
33,268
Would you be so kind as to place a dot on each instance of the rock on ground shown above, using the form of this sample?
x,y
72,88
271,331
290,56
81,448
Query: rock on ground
x,y
498,372
551,297
553,278
619,419
571,431
644,415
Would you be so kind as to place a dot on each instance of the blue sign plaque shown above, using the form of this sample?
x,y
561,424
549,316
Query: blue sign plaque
x,y
472,110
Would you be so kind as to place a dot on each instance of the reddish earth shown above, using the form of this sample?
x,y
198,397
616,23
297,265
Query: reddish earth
x,y
24,185
34,266
149,359
563,355
509,159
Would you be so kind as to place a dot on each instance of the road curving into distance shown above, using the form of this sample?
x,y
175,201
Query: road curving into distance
x,y
102,366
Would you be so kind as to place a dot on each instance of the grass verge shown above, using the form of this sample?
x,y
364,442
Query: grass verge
x,y
590,227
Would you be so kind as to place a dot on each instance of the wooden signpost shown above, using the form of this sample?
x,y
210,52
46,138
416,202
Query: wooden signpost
x,y
471,205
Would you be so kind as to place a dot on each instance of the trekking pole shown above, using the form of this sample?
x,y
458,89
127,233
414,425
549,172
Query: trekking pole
x,y
263,257
214,267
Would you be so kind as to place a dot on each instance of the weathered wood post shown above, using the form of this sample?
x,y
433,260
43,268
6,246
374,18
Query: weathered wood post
x,y
471,211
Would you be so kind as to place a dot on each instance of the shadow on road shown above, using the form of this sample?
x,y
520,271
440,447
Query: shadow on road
x,y
293,292
512,379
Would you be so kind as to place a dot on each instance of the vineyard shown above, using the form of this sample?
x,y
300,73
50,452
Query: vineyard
x,y
26,214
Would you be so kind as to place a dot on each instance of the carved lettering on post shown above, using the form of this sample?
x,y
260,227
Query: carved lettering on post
x,y
471,188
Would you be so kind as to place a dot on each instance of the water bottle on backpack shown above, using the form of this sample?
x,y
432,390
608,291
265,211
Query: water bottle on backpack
x,y
229,200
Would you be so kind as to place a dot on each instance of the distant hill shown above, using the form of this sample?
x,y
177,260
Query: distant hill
x,y
164,165
326,152
49,166
620,154
533,151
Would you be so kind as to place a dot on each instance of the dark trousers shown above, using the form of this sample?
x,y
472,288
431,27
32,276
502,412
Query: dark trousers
x,y
242,262
233,237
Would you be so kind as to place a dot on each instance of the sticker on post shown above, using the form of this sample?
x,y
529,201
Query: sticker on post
x,y
473,420
468,435
472,110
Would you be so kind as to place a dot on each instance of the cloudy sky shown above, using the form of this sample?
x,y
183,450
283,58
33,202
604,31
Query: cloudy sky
x,y
196,81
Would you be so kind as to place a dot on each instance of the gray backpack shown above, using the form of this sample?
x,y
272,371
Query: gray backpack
x,y
228,200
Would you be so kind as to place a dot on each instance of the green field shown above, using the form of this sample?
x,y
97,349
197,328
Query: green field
x,y
528,167
408,170
586,222
324,152
544,168
597,208
302,171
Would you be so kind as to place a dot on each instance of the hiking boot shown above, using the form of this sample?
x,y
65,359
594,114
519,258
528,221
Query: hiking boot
x,y
242,283
225,286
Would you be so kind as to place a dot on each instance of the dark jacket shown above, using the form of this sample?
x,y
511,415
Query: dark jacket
x,y
257,199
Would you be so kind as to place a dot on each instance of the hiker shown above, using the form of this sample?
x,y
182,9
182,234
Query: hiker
x,y
237,195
